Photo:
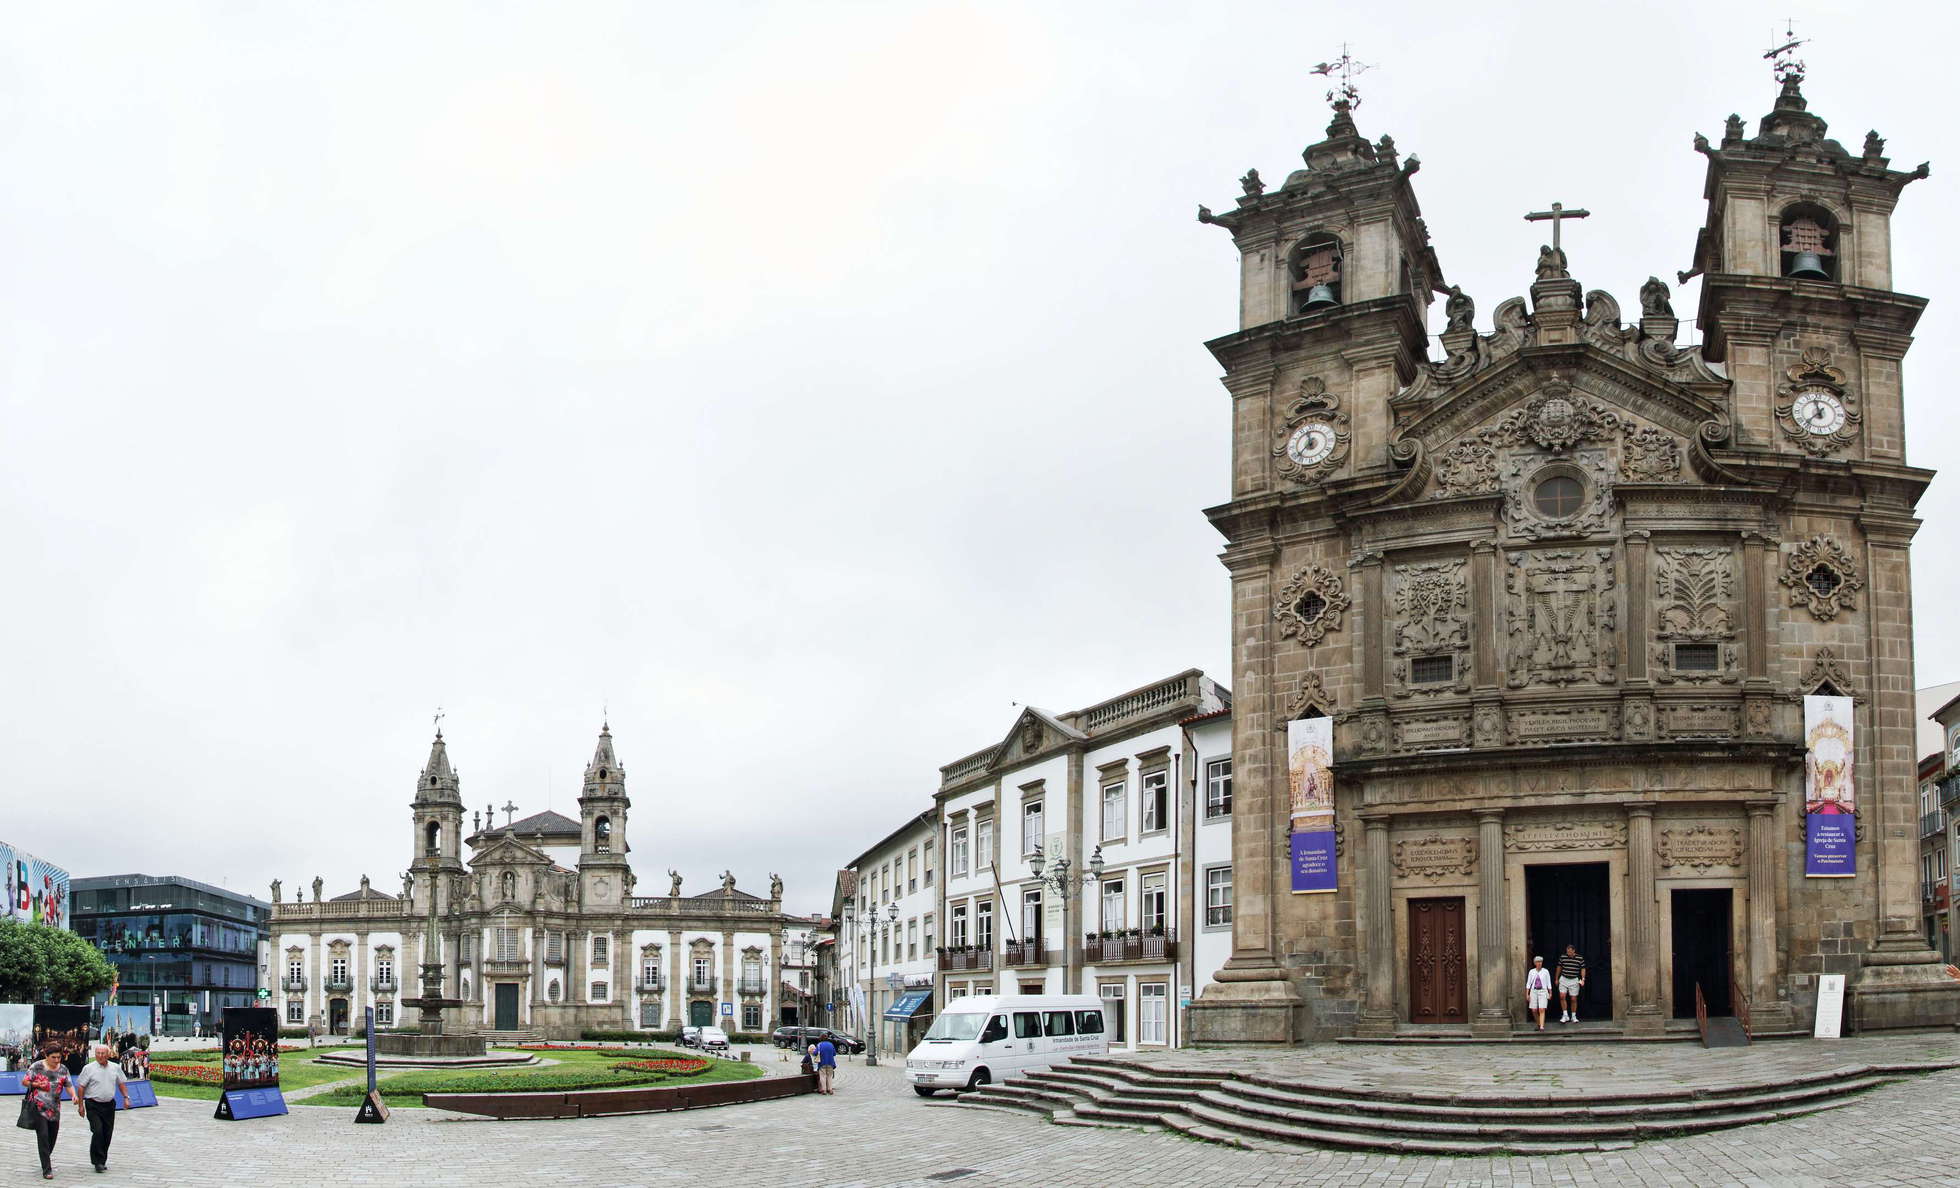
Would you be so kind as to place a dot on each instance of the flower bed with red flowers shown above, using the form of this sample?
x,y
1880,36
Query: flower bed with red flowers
x,y
683,1067
187,1074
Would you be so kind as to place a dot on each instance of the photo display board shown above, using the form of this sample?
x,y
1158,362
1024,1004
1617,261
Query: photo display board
x,y
36,890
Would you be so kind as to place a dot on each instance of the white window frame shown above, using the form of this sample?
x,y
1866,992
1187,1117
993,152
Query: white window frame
x,y
928,862
1218,908
1161,891
601,949
956,936
384,1013
959,851
1031,825
983,843
1154,814
295,1011
1153,999
912,939
1032,903
599,992
983,923
1115,811
1113,891
1218,789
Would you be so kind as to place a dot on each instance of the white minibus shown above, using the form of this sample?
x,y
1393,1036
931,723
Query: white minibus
x,y
989,1037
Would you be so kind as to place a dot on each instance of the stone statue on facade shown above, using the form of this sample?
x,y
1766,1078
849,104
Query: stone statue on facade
x,y
275,890
1551,263
727,882
1252,184
408,885
674,890
318,883
775,886
1654,299
1459,309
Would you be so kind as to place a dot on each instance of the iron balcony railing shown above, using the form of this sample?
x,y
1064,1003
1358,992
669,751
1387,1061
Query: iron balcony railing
x,y
653,983
1027,952
702,985
295,985
1950,791
753,986
1931,823
966,959
1127,947
383,985
341,983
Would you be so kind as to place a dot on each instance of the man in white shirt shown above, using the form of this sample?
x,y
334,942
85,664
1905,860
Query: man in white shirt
x,y
96,1087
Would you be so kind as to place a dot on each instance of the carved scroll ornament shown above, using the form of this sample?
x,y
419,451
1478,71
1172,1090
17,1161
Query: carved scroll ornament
x,y
1822,577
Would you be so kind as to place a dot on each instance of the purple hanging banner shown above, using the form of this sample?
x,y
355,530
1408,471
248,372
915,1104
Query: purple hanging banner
x,y
1830,798
1310,786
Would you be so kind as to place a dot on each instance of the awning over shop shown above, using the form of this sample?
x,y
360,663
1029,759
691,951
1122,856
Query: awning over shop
x,y
909,1004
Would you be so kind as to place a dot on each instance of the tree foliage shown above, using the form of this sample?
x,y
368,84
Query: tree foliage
x,y
42,964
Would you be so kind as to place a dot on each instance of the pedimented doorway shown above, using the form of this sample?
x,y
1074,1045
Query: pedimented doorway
x,y
1571,904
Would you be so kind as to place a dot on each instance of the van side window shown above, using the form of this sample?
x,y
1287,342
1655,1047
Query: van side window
x,y
1027,1024
1061,1023
1088,1022
996,1029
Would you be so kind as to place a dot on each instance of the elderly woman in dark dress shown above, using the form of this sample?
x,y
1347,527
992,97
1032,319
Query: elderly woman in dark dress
x,y
44,1082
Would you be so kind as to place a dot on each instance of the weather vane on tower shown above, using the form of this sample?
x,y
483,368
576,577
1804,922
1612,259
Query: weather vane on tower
x,y
1347,68
1788,68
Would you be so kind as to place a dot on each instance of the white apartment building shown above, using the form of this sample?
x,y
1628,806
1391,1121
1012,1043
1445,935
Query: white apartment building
x,y
1091,852
887,916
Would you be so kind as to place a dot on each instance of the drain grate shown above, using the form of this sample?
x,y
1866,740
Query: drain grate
x,y
957,1173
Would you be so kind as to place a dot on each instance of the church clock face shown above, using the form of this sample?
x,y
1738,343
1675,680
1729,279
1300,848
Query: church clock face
x,y
1817,412
1311,443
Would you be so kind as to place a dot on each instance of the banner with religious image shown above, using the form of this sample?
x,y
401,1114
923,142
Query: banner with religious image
x,y
1830,799
1310,791
251,1048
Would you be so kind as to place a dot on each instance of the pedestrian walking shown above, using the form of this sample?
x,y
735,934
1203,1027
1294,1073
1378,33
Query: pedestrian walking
x,y
1538,989
1571,980
40,1110
825,1054
95,1099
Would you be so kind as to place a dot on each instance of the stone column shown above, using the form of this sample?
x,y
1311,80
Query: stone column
x,y
1493,929
1378,930
624,966
728,987
1768,1010
362,996
316,986
1644,1015
575,966
675,996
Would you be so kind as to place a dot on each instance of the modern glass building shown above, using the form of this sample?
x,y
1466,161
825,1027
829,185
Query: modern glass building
x,y
185,947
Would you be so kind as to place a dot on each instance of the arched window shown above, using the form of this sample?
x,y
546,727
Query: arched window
x,y
551,990
432,837
1313,273
602,836
1809,243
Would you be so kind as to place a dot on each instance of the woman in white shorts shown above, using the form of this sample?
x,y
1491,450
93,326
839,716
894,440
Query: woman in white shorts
x,y
1538,989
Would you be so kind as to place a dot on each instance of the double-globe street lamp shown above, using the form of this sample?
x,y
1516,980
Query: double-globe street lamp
x,y
868,928
1066,888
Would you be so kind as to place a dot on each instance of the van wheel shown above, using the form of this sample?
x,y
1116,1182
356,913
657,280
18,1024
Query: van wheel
x,y
922,1091
981,1079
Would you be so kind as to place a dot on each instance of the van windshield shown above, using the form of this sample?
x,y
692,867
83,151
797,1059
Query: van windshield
x,y
956,1027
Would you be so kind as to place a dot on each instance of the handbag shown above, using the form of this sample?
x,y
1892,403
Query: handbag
x,y
26,1121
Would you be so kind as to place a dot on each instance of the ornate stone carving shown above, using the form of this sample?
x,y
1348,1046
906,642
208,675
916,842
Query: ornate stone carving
x,y
1570,834
1311,694
1313,434
1555,420
1487,726
1821,577
1694,589
1587,723
1561,617
1525,470
1700,847
1459,310
1826,671
1637,719
1819,412
1429,609
1311,605
1435,857
1649,455
1430,732
1466,468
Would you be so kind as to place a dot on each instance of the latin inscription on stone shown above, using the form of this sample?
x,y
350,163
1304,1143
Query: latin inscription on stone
x,y
1429,730
1700,846
1562,722
1566,835
1435,857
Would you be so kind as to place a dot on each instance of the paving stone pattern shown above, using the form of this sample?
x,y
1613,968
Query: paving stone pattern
x,y
875,1132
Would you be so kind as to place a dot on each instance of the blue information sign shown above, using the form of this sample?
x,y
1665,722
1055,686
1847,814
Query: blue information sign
x,y
251,1103
141,1093
1313,860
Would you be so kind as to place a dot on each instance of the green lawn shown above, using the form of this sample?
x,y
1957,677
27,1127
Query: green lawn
x,y
571,1070
297,1070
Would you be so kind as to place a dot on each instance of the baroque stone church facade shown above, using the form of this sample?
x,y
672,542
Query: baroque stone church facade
x,y
536,926
1562,592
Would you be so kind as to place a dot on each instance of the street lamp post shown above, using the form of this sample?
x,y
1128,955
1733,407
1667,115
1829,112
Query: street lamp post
x,y
1057,878
868,927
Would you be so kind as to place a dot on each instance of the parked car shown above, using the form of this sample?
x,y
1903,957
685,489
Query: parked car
x,y
689,1037
802,1037
710,1039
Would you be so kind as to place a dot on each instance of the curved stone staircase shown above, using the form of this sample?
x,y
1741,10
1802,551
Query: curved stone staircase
x,y
1268,1113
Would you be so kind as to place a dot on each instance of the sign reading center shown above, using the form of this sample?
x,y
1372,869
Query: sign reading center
x,y
1310,786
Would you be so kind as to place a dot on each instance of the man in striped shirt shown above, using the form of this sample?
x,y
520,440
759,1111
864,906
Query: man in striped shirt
x,y
1571,979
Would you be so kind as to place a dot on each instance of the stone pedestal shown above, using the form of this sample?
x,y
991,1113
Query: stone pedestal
x,y
1246,1002
1904,986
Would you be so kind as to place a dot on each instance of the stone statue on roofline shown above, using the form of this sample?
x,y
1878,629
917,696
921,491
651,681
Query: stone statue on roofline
x,y
1551,263
674,890
1459,309
275,890
1654,299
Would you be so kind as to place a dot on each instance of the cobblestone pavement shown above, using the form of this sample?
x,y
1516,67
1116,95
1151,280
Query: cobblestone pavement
x,y
875,1132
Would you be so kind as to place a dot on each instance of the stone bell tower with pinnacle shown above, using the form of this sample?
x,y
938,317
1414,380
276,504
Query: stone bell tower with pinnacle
x,y
1336,276
438,813
604,873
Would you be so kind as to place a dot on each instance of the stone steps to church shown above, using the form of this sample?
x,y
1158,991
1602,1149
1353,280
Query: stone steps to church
x,y
1391,1106
1102,1079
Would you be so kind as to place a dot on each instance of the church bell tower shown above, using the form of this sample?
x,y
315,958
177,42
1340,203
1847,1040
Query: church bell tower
x,y
438,814
604,873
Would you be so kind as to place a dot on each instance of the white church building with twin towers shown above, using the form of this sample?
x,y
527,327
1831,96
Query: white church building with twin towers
x,y
541,934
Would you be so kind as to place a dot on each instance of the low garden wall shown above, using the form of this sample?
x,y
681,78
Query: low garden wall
x,y
599,1103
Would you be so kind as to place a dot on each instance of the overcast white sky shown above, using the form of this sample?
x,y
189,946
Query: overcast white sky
x,y
805,382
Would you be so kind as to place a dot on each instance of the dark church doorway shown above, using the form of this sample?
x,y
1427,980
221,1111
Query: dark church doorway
x,y
1701,950
336,1016
506,1006
1569,905
700,1014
